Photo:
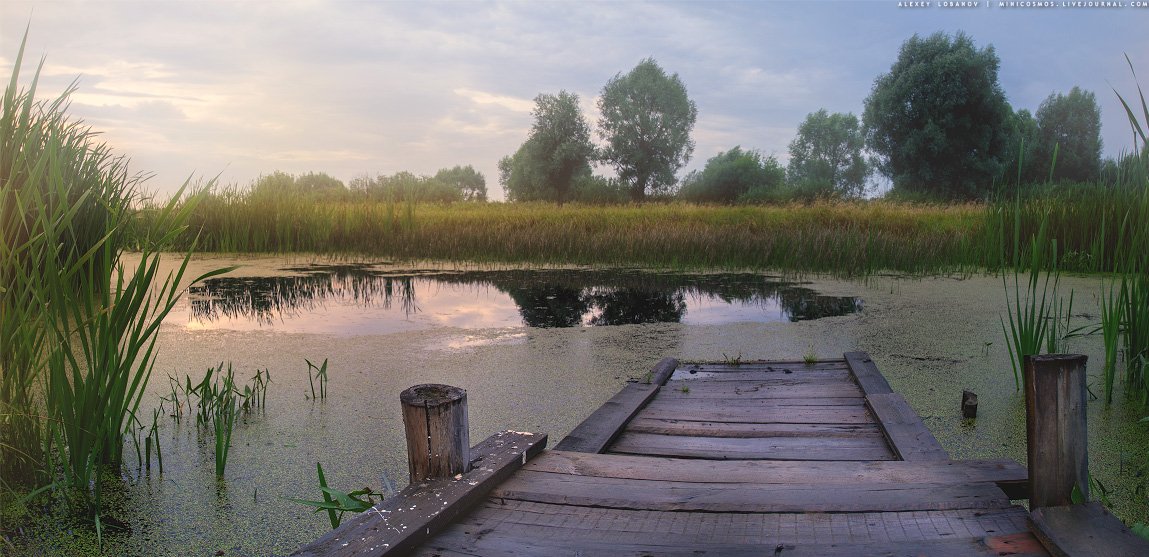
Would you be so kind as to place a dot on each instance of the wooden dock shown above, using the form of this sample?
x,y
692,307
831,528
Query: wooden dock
x,y
758,458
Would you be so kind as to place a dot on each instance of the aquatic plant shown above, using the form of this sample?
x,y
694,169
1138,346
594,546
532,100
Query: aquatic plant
x,y
223,420
317,373
1031,306
732,360
1111,304
337,502
810,358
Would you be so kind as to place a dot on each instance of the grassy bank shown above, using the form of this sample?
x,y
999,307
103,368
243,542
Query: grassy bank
x,y
1095,226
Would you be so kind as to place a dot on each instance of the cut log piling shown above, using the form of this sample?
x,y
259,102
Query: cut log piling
x,y
968,405
435,422
1055,428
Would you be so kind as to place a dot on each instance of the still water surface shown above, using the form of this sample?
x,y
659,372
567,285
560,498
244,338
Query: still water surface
x,y
536,350
363,299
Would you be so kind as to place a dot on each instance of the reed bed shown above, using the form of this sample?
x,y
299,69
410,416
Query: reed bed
x,y
1096,228
844,238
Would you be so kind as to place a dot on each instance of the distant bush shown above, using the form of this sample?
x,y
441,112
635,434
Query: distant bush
x,y
734,176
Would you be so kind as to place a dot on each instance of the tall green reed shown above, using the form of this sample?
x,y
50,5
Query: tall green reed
x,y
1033,304
78,326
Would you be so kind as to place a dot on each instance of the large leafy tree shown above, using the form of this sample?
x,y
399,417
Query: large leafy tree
x,y
470,182
938,120
1072,124
731,175
557,152
646,121
1021,164
826,156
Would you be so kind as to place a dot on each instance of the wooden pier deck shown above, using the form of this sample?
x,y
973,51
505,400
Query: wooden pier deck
x,y
758,458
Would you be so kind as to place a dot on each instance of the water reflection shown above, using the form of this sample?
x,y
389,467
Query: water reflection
x,y
364,299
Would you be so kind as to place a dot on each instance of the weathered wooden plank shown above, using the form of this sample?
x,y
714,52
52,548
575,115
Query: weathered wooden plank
x,y
1005,473
905,431
781,377
687,406
497,543
866,373
774,414
705,388
604,424
1088,529
403,522
763,366
755,448
721,429
658,495
662,371
690,528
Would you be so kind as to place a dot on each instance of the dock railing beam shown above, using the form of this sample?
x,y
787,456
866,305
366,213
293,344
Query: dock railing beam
x,y
435,424
1055,428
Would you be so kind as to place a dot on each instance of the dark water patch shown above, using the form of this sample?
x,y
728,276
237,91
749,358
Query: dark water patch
x,y
365,299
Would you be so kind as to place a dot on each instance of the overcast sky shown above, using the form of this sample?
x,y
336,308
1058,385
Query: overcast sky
x,y
243,88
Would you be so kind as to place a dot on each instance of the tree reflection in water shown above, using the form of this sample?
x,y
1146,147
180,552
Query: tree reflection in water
x,y
544,298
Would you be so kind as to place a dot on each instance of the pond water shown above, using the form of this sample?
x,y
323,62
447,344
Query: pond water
x,y
536,350
362,299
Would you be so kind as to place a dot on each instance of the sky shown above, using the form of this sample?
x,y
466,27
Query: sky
x,y
235,89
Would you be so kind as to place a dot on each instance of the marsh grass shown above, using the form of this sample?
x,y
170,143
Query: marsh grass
x,y
846,238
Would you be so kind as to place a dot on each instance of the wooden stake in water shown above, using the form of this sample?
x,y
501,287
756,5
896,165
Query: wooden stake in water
x,y
435,422
1055,428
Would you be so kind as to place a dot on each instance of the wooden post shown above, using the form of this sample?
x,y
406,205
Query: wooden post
x,y
1055,428
438,440
968,405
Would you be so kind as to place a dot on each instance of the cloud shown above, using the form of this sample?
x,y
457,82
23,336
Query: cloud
x,y
349,87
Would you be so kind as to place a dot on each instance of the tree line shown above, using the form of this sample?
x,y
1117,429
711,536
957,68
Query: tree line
x,y
937,126
448,185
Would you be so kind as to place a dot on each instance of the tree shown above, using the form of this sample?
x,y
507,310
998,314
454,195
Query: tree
x,y
470,182
1071,124
562,147
1020,160
938,121
555,155
405,186
320,185
646,121
730,175
826,156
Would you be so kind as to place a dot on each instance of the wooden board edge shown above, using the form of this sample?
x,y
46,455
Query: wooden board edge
x,y
867,374
401,523
908,436
662,371
1085,529
604,425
